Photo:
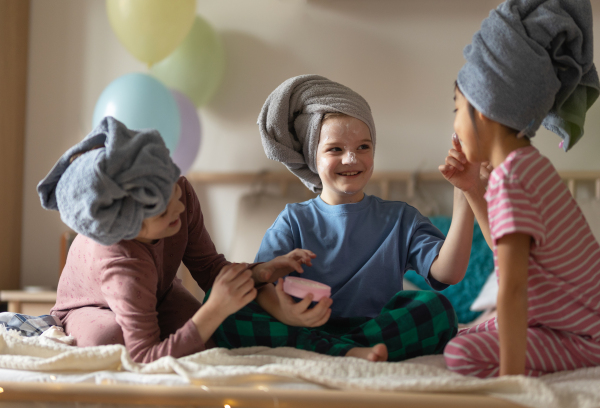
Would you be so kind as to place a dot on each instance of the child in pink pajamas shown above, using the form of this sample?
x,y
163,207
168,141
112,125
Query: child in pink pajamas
x,y
137,221
521,72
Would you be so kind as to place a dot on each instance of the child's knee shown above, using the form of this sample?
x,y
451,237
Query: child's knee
x,y
440,311
93,327
457,356
467,356
103,335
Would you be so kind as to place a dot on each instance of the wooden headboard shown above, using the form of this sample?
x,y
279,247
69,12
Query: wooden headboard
x,y
383,179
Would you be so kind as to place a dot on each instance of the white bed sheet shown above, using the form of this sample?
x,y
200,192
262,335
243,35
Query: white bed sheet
x,y
42,359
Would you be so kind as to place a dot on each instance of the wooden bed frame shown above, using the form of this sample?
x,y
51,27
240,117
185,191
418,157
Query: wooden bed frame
x,y
233,397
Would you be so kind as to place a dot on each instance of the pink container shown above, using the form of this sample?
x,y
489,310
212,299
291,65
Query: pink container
x,y
300,287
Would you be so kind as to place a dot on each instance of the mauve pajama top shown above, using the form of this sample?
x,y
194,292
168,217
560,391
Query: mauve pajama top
x,y
131,277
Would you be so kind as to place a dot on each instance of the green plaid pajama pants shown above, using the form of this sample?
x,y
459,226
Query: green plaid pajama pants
x,y
411,324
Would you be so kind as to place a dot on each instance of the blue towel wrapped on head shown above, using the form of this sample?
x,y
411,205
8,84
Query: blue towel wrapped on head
x,y
106,185
531,64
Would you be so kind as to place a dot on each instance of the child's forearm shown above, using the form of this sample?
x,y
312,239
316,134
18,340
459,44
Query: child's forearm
x,y
513,254
512,329
207,320
267,299
451,264
479,207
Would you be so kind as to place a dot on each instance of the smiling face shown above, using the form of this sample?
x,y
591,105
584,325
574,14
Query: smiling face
x,y
344,159
165,224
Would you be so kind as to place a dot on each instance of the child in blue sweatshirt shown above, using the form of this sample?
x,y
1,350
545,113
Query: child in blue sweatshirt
x,y
324,133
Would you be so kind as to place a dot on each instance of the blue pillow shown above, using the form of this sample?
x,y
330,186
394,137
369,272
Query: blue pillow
x,y
481,264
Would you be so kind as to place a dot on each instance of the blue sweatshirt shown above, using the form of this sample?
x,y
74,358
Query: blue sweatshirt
x,y
363,249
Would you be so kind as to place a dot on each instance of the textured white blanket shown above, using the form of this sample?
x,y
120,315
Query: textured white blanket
x,y
576,389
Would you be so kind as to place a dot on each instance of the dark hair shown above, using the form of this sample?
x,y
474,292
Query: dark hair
x,y
471,111
470,107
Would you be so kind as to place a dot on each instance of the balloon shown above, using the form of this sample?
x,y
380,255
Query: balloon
x,y
141,102
196,67
151,29
189,139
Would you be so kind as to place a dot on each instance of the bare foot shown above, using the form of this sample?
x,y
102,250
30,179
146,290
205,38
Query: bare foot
x,y
376,353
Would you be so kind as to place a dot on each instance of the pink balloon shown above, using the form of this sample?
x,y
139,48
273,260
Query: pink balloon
x,y
189,138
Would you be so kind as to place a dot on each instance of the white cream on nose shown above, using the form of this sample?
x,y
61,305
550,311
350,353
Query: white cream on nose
x,y
349,158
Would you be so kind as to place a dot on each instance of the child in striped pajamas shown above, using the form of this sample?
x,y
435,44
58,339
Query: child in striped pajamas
x,y
520,73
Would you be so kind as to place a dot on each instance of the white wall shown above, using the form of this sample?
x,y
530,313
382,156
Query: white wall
x,y
402,56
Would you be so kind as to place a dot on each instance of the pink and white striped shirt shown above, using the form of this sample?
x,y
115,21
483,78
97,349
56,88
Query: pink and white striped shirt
x,y
526,195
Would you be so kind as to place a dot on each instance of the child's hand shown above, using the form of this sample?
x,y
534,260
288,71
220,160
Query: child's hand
x,y
233,289
298,314
283,265
460,172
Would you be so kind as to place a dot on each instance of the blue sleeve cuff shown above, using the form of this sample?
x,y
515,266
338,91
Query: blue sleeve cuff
x,y
431,281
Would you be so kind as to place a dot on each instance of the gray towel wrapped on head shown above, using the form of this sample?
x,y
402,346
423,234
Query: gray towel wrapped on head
x,y
106,192
531,64
290,121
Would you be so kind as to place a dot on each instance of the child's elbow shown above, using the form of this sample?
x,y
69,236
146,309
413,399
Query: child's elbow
x,y
447,276
453,280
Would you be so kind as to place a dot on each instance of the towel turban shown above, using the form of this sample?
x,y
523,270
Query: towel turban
x,y
290,122
531,63
107,192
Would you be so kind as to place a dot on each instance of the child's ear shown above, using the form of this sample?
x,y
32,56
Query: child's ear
x,y
482,118
485,121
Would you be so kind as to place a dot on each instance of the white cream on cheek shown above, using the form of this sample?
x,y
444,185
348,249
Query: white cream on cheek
x,y
322,166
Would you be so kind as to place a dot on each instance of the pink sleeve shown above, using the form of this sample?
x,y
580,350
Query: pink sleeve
x,y
512,210
129,287
201,256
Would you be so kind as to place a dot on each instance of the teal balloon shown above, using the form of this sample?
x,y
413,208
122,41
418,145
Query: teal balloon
x,y
140,101
196,67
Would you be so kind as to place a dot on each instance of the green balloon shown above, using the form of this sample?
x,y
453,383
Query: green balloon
x,y
196,67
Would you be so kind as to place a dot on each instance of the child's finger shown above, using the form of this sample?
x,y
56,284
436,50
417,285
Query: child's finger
x,y
447,171
314,316
231,271
296,265
486,170
456,142
303,305
305,258
249,296
303,255
323,319
279,289
460,156
302,251
321,307
451,161
291,263
238,289
241,281
283,297
246,278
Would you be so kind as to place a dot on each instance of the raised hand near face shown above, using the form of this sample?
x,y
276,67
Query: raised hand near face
x,y
461,173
